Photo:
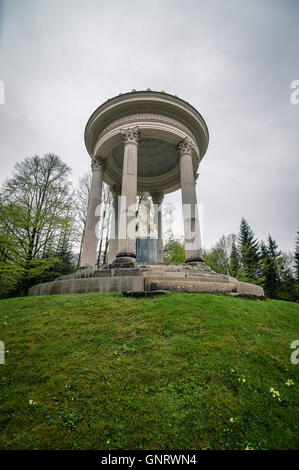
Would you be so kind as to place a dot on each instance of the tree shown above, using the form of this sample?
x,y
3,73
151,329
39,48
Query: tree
x,y
269,267
219,255
82,197
249,252
64,250
35,209
234,260
174,252
289,288
104,225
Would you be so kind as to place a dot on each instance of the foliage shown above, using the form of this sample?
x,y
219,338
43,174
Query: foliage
x,y
82,196
270,257
249,252
42,224
289,287
104,225
218,256
269,267
36,222
186,371
174,252
235,261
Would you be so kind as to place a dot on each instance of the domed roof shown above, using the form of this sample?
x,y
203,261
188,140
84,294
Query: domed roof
x,y
163,120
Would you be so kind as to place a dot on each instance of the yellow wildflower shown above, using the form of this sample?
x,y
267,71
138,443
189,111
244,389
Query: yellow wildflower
x,y
275,393
289,382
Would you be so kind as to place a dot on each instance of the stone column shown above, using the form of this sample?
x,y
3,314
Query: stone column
x,y
90,240
190,212
157,198
113,243
127,225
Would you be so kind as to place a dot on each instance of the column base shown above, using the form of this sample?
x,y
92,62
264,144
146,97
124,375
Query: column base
x,y
86,266
194,260
123,262
125,255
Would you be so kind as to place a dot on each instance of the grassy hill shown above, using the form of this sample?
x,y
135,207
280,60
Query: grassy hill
x,y
186,371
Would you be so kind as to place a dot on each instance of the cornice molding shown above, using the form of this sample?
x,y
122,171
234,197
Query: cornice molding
x,y
145,114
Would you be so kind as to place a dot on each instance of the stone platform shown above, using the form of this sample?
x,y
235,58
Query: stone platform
x,y
126,275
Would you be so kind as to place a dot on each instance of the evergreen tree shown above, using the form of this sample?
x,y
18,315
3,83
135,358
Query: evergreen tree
x,y
234,262
289,289
269,263
249,252
263,249
64,249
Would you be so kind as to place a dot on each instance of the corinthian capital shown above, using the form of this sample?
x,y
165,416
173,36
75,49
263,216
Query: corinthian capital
x,y
185,146
131,134
98,164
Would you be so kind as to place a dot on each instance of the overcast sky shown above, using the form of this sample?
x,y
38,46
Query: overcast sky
x,y
233,60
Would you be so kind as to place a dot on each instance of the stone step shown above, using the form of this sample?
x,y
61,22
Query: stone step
x,y
185,271
189,285
190,276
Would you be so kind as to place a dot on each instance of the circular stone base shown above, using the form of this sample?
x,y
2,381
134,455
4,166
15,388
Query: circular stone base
x,y
124,277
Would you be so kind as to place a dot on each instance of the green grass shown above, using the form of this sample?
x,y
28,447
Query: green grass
x,y
108,372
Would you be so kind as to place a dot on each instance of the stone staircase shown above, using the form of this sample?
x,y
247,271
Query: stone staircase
x,y
127,275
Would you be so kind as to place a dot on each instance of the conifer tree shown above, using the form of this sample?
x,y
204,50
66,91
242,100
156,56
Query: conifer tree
x,y
263,250
234,262
270,256
249,251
